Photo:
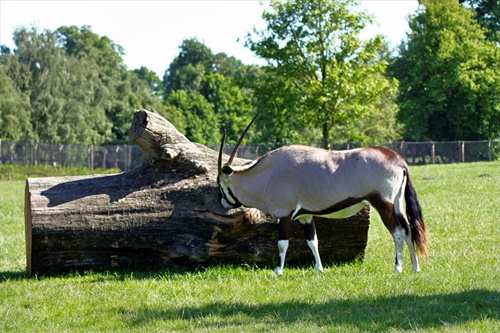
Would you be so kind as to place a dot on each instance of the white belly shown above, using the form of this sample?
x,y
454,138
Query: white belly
x,y
340,214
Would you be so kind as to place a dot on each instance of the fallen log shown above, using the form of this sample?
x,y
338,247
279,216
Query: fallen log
x,y
165,212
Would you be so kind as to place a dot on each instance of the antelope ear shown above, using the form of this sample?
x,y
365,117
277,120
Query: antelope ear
x,y
227,170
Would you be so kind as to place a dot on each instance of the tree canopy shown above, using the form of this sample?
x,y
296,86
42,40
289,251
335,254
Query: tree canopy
x,y
322,81
321,73
70,86
214,91
487,13
449,74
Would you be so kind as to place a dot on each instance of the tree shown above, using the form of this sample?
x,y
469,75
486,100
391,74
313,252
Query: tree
x,y
119,91
331,76
47,77
198,118
153,81
487,13
74,87
232,107
449,74
14,110
216,84
188,68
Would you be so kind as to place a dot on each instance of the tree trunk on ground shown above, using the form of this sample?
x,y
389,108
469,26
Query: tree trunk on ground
x,y
167,211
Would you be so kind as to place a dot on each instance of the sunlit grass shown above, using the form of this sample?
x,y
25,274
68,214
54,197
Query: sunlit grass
x,y
21,172
458,291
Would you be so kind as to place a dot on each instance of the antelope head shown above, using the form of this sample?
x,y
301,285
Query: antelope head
x,y
225,171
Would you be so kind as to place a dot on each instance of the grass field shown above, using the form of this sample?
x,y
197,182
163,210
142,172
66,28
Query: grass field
x,y
457,291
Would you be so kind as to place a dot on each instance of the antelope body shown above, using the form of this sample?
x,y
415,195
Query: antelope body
x,y
300,182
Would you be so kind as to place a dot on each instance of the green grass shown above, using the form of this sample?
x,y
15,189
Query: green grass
x,y
458,291
21,172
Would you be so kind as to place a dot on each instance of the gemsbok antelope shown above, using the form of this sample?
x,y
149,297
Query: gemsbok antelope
x,y
299,182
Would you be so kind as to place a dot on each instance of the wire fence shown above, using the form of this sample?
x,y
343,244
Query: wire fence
x,y
415,153
123,157
128,157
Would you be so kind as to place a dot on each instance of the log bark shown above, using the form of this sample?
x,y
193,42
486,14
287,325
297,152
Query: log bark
x,y
165,212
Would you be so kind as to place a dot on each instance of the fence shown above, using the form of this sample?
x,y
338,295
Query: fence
x,y
415,153
123,157
128,157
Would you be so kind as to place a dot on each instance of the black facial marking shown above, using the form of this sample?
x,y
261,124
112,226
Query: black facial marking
x,y
236,203
231,199
227,169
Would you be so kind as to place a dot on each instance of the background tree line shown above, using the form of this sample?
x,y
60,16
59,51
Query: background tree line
x,y
322,82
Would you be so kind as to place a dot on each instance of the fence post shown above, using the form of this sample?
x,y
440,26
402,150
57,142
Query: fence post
x,y
433,153
61,147
35,154
463,151
117,151
90,159
489,150
104,158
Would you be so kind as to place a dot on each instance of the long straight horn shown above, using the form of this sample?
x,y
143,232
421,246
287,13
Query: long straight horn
x,y
233,154
219,167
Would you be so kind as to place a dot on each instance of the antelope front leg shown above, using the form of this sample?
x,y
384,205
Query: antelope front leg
x,y
283,237
312,241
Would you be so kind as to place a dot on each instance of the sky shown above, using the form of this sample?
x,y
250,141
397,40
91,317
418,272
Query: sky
x,y
152,31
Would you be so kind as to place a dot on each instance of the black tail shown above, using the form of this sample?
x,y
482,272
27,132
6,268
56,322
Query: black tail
x,y
419,232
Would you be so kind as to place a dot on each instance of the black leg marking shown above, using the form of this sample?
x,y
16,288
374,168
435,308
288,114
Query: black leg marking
x,y
310,230
285,225
403,223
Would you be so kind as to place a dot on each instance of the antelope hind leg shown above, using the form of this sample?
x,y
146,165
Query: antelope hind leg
x,y
413,253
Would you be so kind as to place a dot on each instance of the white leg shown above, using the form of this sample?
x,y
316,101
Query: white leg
x,y
413,254
398,236
313,245
282,248
312,240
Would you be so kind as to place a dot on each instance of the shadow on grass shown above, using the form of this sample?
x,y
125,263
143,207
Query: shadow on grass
x,y
99,274
13,276
407,312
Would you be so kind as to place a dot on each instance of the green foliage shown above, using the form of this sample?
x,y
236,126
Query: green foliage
x,y
458,291
14,109
322,82
188,68
198,117
207,94
487,13
377,128
330,75
121,92
71,86
153,81
231,106
449,75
